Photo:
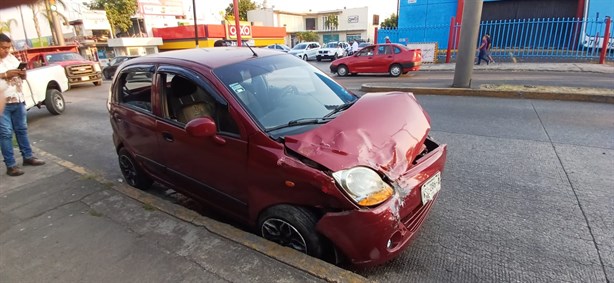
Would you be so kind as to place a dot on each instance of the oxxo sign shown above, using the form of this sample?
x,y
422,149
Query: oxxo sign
x,y
246,30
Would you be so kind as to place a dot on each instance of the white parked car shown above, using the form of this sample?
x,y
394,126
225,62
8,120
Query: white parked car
x,y
305,50
332,51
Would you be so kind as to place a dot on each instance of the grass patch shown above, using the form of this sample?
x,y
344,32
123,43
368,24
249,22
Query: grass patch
x,y
95,213
149,207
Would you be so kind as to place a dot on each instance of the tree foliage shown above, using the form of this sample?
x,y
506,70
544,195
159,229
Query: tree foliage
x,y
5,26
331,22
244,6
307,36
119,12
390,22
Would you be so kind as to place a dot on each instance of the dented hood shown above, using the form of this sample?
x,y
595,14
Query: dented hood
x,y
384,131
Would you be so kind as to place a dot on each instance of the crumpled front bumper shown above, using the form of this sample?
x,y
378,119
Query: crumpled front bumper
x,y
372,236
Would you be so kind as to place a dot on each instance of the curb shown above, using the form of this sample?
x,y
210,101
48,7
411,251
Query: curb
x,y
567,96
315,267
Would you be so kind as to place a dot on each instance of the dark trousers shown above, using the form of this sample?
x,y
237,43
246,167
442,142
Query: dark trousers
x,y
482,56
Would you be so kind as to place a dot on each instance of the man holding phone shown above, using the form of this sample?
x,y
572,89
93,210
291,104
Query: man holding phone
x,y
14,116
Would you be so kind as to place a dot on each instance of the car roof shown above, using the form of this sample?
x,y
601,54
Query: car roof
x,y
212,57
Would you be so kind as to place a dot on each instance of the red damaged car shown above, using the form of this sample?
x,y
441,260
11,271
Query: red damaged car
x,y
274,143
391,58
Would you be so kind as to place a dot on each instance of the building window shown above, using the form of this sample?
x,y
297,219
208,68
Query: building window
x,y
310,24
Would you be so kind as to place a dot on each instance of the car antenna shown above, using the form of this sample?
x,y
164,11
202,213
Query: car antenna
x,y
250,48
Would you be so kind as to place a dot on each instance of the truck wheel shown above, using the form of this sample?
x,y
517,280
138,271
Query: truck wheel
x,y
97,83
54,101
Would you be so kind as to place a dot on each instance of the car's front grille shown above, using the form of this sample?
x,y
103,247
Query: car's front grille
x,y
78,70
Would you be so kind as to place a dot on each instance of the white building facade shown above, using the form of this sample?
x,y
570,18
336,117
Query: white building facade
x,y
351,23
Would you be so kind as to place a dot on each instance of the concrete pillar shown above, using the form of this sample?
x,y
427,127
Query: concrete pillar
x,y
472,12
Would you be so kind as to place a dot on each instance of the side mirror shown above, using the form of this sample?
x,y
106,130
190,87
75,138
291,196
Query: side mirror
x,y
203,127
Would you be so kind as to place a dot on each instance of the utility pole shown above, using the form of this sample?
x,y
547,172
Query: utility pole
x,y
472,11
237,24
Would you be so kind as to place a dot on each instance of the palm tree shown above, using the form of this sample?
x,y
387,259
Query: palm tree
x,y
42,8
5,26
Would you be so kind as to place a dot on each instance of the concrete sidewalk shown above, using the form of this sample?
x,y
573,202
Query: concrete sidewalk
x,y
509,90
61,223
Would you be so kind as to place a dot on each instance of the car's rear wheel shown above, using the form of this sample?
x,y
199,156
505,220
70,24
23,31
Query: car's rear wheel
x,y
396,70
342,70
292,227
54,101
131,171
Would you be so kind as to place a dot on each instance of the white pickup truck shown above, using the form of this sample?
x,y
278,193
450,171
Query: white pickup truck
x,y
44,86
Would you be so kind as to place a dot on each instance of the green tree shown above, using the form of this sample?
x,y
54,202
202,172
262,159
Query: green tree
x,y
119,12
307,36
390,22
331,22
244,6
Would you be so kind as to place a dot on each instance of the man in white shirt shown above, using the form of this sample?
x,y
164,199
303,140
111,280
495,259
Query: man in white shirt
x,y
14,116
354,46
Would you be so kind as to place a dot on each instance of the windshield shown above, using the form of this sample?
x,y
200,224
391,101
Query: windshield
x,y
300,46
280,90
332,45
59,57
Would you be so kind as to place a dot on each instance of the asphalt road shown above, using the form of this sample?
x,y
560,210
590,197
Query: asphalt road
x,y
526,193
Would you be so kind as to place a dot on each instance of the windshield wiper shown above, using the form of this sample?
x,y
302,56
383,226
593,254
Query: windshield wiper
x,y
299,122
339,108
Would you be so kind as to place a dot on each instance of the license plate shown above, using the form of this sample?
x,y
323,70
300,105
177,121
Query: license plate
x,y
86,78
431,187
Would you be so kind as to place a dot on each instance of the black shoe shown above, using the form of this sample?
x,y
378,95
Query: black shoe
x,y
14,171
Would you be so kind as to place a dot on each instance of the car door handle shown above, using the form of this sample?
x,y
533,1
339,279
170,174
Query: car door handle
x,y
168,137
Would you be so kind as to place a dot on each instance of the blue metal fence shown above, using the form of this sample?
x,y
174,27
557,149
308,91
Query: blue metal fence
x,y
530,40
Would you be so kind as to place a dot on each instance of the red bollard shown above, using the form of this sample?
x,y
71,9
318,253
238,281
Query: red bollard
x,y
450,38
606,40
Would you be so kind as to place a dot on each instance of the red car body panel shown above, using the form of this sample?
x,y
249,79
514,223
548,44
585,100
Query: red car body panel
x,y
363,136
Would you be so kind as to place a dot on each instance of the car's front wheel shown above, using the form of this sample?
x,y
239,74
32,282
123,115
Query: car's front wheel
x,y
305,57
342,70
396,70
131,171
292,227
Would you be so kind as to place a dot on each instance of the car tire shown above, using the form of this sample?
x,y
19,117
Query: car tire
x,y
305,58
131,171
342,70
98,83
335,57
318,58
107,75
54,101
396,70
293,227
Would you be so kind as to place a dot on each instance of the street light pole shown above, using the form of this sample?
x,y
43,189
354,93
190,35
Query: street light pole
x,y
195,23
237,25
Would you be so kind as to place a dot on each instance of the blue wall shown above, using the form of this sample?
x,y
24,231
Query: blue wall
x,y
434,14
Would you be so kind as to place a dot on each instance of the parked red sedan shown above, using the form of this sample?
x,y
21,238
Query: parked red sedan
x,y
274,143
391,58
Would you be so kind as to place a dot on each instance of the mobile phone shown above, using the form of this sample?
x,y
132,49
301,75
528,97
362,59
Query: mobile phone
x,y
22,66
